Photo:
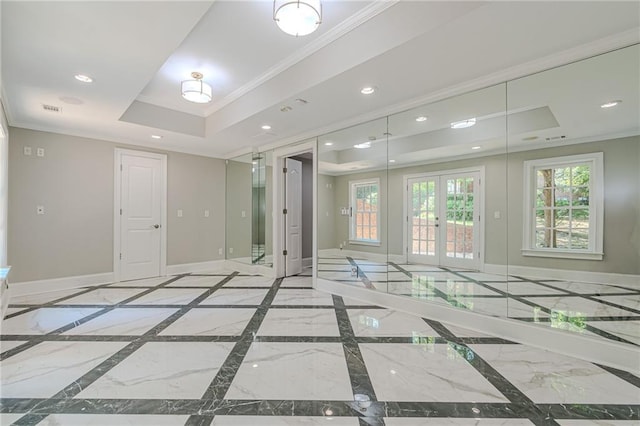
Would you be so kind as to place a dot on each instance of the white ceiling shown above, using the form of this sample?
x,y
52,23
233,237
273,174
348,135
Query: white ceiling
x,y
138,52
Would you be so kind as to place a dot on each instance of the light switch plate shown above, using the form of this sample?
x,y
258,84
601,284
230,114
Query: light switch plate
x,y
27,150
179,212
206,214
40,152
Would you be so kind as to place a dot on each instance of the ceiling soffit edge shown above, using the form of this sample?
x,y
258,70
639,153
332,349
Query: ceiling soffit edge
x,y
325,39
597,47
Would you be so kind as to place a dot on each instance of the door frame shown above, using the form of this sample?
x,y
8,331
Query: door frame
x,y
279,156
117,219
405,208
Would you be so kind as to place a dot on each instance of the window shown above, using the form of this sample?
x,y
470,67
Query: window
x,y
365,214
564,207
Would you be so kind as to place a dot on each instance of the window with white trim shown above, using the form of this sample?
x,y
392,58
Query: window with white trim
x,y
563,199
365,213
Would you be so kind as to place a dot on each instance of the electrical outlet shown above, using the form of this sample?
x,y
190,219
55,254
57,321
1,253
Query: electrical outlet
x,y
179,212
206,214
244,213
40,152
230,250
496,214
27,150
39,209
220,251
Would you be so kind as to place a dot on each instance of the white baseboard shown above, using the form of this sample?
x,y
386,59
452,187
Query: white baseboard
x,y
614,354
307,262
185,268
44,286
565,274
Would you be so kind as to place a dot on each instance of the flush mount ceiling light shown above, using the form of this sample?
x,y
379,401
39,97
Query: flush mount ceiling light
x,y
83,78
392,161
297,17
328,143
463,124
156,137
363,145
610,104
368,90
196,90
266,127
476,147
421,119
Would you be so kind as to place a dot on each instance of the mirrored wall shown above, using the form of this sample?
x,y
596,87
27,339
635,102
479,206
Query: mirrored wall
x,y
520,200
249,209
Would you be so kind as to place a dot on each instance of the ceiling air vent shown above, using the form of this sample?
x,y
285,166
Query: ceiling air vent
x,y
556,138
51,108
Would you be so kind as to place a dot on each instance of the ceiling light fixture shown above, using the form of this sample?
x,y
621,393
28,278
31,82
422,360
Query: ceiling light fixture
x,y
392,161
156,137
297,17
610,104
266,127
463,124
367,90
83,78
328,143
196,90
363,145
421,119
476,147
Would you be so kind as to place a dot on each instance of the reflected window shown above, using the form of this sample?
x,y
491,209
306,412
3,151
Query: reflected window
x,y
365,213
564,206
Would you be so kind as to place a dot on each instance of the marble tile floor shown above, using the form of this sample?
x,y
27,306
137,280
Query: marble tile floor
x,y
602,311
241,350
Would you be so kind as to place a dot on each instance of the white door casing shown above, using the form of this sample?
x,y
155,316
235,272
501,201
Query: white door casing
x,y
140,234
293,218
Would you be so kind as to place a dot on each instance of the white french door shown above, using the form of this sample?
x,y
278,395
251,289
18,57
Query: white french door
x,y
293,218
443,219
140,203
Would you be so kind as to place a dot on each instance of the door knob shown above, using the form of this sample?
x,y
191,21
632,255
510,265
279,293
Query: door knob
x,y
156,226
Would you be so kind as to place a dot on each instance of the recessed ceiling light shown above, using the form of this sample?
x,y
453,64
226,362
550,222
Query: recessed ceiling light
x,y
392,161
476,147
367,90
363,145
328,143
421,119
83,78
156,136
610,104
266,127
463,124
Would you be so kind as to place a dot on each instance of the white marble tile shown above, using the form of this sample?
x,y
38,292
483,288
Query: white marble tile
x,y
297,282
425,372
206,281
377,268
113,419
335,276
423,421
548,377
410,287
169,370
420,268
632,302
348,301
387,276
123,321
334,268
283,421
211,322
232,296
437,276
299,322
169,296
302,297
481,276
500,307
44,320
147,282
11,311
523,287
5,345
7,419
629,330
299,371
103,296
578,306
464,332
585,288
47,368
454,288
255,281
41,298
388,323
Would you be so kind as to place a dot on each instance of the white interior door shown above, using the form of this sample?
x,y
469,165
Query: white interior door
x,y
293,218
443,220
141,201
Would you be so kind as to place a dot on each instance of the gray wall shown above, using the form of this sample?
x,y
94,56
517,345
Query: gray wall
x,y
74,182
238,200
307,208
326,212
503,238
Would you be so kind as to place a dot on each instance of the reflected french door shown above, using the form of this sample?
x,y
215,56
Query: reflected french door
x,y
443,220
